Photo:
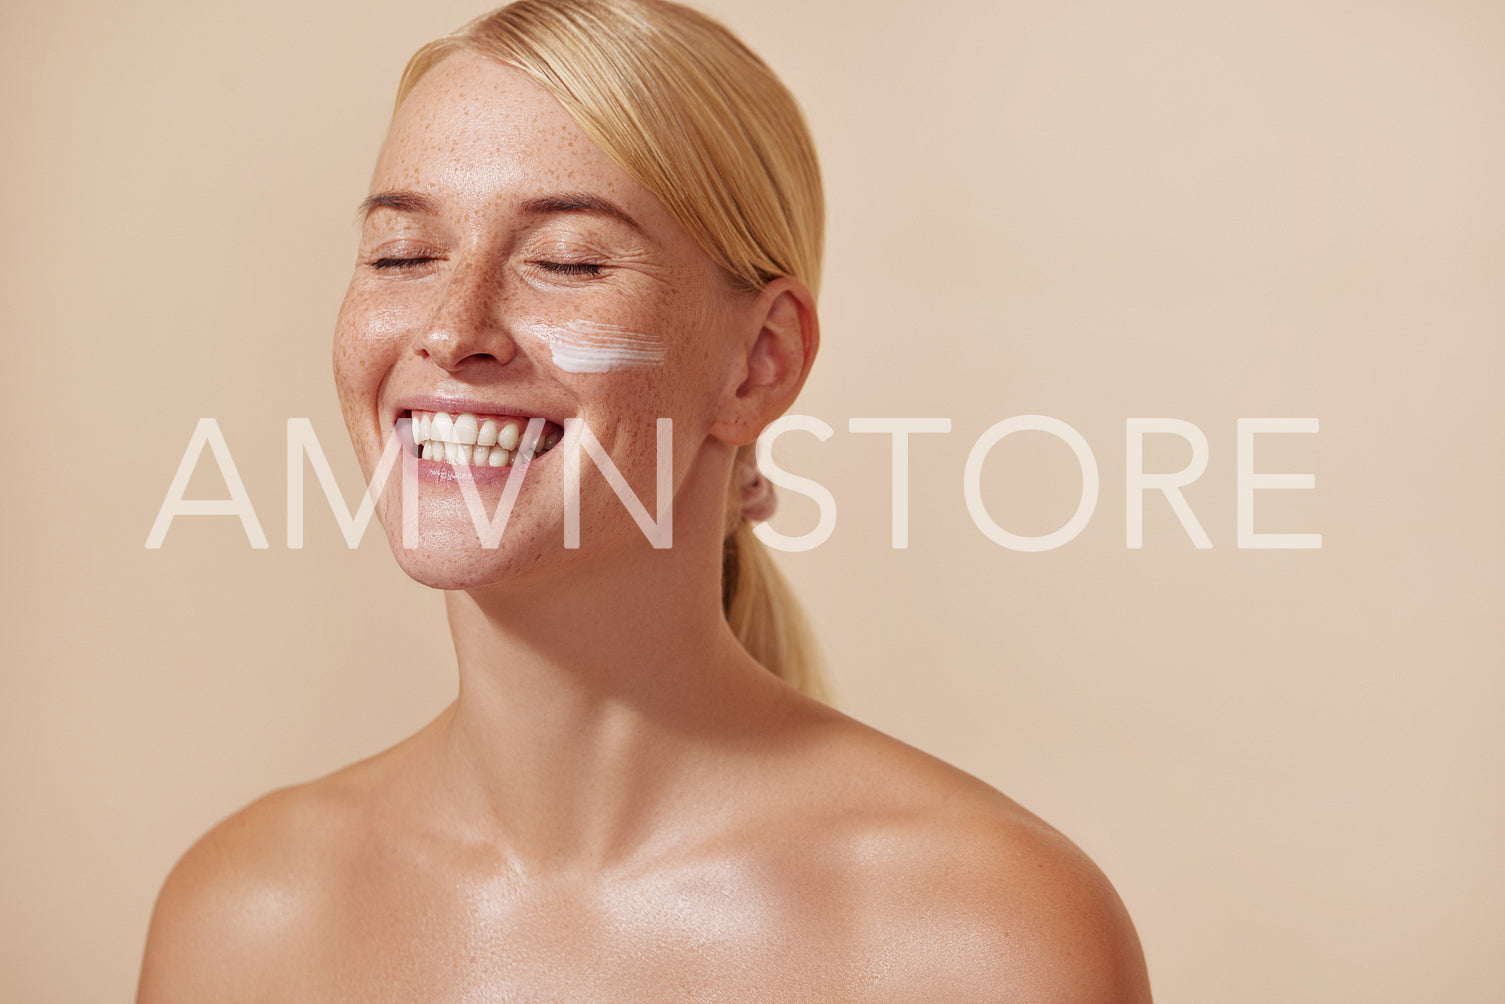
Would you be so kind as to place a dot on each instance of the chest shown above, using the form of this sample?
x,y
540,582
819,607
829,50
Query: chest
x,y
705,934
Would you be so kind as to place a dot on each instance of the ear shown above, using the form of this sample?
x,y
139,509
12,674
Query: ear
x,y
772,361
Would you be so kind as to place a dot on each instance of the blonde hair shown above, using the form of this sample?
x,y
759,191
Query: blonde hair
x,y
703,124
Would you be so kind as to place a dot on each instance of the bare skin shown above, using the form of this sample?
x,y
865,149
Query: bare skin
x,y
621,804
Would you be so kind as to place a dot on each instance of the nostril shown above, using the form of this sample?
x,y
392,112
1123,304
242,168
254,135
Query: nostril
x,y
457,339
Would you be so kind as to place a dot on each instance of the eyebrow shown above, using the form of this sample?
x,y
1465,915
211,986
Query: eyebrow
x,y
402,202
543,205
578,202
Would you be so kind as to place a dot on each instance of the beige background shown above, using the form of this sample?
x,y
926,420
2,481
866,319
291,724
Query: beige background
x,y
1289,762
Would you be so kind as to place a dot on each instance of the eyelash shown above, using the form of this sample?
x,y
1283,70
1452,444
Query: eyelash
x,y
588,269
584,268
385,263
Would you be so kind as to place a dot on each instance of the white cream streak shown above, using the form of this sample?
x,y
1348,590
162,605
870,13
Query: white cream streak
x,y
582,346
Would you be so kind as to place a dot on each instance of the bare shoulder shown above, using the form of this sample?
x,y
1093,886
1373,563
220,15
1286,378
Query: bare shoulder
x,y
237,908
1041,919
972,896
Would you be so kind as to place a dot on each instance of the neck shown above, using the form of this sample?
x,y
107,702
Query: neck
x,y
596,708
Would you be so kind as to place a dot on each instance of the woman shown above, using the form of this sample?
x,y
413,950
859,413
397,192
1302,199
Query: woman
x,y
588,218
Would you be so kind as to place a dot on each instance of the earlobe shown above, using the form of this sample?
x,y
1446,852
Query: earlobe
x,y
776,359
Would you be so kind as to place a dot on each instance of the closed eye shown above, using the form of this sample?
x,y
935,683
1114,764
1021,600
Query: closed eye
x,y
403,262
570,268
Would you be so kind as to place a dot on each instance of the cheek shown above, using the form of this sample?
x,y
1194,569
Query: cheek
x,y
583,345
624,408
642,374
368,339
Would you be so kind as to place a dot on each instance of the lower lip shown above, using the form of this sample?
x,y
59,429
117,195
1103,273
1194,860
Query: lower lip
x,y
443,472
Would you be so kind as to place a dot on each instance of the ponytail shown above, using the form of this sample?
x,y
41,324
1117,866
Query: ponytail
x,y
764,614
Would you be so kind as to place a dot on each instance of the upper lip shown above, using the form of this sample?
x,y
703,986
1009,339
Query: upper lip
x,y
462,405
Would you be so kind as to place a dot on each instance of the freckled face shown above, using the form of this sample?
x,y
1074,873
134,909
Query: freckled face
x,y
509,267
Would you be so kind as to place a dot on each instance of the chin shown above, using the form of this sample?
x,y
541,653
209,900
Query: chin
x,y
451,560
448,554
444,571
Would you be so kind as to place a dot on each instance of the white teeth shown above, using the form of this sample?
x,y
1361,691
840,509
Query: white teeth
x,y
467,438
466,428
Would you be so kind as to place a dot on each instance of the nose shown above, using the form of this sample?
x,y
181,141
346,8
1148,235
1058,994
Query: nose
x,y
466,326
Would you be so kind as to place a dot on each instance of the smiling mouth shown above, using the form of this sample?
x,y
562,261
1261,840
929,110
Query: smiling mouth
x,y
480,440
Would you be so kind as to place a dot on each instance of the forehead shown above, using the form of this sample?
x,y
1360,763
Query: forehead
x,y
475,129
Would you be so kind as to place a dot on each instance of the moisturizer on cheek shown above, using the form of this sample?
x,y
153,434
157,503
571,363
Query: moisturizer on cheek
x,y
582,346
